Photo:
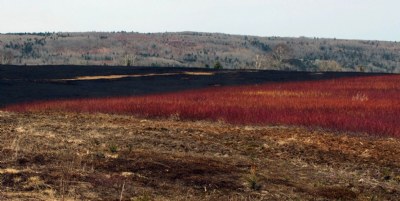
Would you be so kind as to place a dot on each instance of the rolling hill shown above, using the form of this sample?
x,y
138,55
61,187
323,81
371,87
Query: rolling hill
x,y
205,50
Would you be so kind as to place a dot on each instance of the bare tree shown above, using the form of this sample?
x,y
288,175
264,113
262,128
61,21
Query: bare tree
x,y
281,52
6,57
130,60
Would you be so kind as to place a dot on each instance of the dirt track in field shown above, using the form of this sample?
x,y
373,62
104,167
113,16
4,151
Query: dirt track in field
x,y
96,157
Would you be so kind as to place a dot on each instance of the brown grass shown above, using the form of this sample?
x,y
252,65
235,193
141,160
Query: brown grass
x,y
67,156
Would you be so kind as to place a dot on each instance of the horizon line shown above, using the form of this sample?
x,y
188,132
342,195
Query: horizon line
x,y
222,33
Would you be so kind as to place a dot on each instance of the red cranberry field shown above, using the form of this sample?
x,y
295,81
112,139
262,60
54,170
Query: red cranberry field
x,y
358,104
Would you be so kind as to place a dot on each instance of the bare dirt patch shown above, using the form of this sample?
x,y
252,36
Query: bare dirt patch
x,y
96,157
112,77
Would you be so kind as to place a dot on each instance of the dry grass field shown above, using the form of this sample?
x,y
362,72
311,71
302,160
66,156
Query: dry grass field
x,y
69,156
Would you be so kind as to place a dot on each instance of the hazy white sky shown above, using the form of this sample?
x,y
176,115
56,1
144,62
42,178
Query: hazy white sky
x,y
350,19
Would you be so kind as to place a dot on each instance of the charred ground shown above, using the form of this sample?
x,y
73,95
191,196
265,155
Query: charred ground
x,y
33,83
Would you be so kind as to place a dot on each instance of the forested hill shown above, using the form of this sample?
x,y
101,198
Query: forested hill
x,y
193,49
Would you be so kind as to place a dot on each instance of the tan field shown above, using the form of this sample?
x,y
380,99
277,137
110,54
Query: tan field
x,y
69,156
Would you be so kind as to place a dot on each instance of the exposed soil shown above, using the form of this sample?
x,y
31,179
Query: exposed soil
x,y
69,156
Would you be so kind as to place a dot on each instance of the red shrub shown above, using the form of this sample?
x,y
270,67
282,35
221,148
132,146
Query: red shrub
x,y
363,104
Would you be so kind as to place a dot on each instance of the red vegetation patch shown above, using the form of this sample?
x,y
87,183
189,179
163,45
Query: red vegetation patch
x,y
362,104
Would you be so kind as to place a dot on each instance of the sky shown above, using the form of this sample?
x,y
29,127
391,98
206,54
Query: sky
x,y
344,19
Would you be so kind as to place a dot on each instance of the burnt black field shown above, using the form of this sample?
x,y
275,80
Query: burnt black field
x,y
19,84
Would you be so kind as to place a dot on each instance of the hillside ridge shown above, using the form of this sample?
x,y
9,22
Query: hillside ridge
x,y
195,49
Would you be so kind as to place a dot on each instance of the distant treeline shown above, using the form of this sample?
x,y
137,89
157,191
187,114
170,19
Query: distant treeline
x,y
193,49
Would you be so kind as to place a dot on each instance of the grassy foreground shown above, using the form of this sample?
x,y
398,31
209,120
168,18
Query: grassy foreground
x,y
67,156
